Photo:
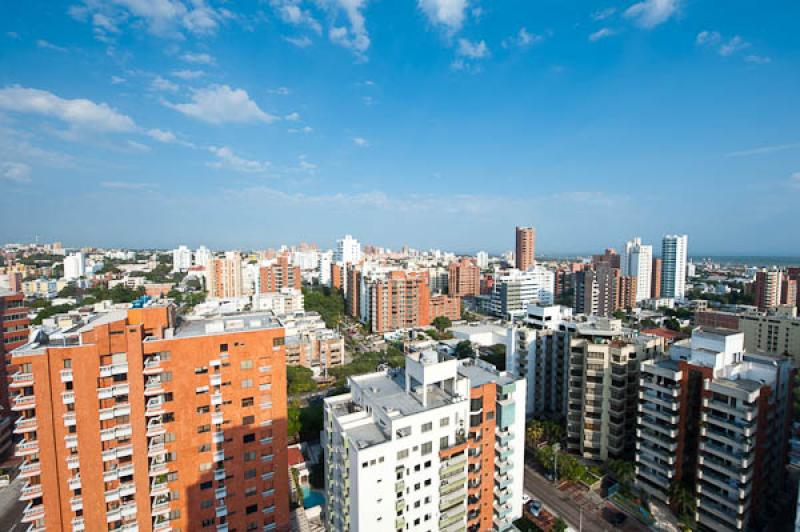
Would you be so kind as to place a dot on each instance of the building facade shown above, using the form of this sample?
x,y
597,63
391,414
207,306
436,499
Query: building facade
x,y
463,278
715,421
525,250
14,330
436,446
281,274
513,290
674,254
135,422
445,306
637,261
225,276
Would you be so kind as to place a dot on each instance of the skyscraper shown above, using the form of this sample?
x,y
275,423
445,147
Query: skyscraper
x,y
673,266
767,288
463,278
181,259
14,324
225,276
482,260
137,419
526,247
637,261
348,251
655,284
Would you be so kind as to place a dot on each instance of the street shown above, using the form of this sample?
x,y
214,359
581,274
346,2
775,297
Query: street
x,y
567,505
11,507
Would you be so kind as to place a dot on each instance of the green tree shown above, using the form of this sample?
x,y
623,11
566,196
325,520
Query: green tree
x,y
300,380
559,525
69,291
497,356
672,324
293,424
442,323
50,311
328,303
623,471
682,501
464,349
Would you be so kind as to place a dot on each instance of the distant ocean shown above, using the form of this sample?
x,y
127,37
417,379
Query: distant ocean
x,y
750,260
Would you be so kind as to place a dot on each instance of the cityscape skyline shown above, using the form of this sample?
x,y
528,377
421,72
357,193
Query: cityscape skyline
x,y
313,119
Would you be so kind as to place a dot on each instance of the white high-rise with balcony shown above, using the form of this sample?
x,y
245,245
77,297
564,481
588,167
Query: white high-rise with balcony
x,y
74,266
636,260
348,251
673,266
181,259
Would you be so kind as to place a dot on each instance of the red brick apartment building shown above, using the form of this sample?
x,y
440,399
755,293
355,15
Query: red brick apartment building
x,y
135,421
463,278
14,325
279,275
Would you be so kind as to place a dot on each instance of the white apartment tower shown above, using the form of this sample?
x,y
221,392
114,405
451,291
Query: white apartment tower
x,y
348,251
74,266
181,259
407,449
202,257
636,260
673,266
514,289
482,260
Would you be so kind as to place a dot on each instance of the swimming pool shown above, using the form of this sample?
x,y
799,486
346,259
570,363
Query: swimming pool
x,y
312,498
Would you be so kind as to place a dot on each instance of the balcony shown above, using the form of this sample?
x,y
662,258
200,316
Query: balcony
x,y
153,386
113,369
25,424
74,483
76,503
160,508
23,402
68,398
216,399
157,468
25,448
66,375
30,491
155,428
159,486
21,380
154,407
216,380
30,469
78,524
32,513
156,449
119,410
73,462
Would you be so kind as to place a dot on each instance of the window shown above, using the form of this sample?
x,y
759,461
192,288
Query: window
x,y
249,438
246,364
402,454
253,508
203,428
208,503
444,421
490,415
277,342
204,448
223,348
203,409
427,427
427,464
67,363
201,371
205,467
248,420
249,492
247,401
249,456
427,448
444,442
428,483
247,383
205,485
250,473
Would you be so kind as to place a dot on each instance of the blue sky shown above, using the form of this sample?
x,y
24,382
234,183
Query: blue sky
x,y
422,122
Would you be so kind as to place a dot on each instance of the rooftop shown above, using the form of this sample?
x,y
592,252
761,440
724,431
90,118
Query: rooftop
x,y
240,322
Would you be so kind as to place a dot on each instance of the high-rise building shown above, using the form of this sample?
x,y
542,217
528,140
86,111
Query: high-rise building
x,y
610,257
603,387
181,259
446,306
74,266
482,260
134,421
776,332
627,293
512,290
14,325
348,251
202,257
225,276
325,262
525,252
436,446
537,350
603,291
464,278
637,261
767,288
309,343
674,250
715,421
280,274
395,300
655,284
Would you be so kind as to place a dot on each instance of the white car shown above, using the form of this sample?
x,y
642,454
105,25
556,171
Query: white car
x,y
525,498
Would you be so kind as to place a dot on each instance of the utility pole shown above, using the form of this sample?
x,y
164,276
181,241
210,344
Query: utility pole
x,y
556,448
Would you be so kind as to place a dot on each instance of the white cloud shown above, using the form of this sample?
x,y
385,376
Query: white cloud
x,y
162,84
522,39
472,50
188,74
79,113
306,130
198,58
227,159
290,12
355,36
218,104
735,44
300,42
137,146
603,14
708,37
41,43
361,142
166,18
282,91
757,59
764,150
794,179
126,185
446,13
651,13
116,80
162,136
17,172
292,117
602,33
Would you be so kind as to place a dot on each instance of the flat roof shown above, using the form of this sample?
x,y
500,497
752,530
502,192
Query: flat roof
x,y
388,392
479,376
212,325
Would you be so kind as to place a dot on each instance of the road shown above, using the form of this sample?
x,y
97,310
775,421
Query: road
x,y
567,505
11,507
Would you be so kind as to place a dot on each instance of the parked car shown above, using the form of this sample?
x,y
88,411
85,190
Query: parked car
x,y
616,518
534,507
525,499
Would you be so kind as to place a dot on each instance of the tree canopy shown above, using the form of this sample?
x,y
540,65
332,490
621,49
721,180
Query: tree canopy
x,y
328,303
